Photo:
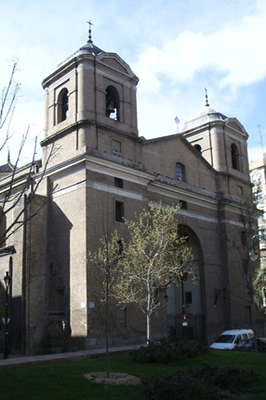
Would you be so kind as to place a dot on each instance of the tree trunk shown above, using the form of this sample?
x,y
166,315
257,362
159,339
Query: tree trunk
x,y
148,316
107,326
148,328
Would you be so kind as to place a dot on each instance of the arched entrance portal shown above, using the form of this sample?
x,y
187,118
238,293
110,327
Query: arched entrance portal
x,y
185,317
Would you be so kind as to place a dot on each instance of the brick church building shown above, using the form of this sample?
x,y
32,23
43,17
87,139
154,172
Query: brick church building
x,y
95,170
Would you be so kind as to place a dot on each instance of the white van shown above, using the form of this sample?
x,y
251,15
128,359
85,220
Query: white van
x,y
237,338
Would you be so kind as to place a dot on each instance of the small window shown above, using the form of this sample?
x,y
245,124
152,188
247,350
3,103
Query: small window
x,y
183,205
116,146
119,183
188,297
180,172
198,148
119,211
235,157
63,105
244,238
112,103
240,190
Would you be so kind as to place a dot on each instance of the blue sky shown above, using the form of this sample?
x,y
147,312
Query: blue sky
x,y
175,47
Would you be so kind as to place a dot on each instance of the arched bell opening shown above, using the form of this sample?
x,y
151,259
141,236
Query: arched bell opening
x,y
112,103
62,103
235,157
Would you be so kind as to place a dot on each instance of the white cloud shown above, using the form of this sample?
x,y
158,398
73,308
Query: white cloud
x,y
236,52
185,46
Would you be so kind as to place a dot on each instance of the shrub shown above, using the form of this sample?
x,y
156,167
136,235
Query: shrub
x,y
208,382
165,351
233,379
262,345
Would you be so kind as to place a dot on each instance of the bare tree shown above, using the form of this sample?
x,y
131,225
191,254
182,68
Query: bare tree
x,y
106,264
7,106
17,182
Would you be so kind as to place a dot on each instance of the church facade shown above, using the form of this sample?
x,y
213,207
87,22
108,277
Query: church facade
x,y
95,171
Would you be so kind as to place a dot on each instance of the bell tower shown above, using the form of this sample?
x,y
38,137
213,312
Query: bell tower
x,y
90,96
222,141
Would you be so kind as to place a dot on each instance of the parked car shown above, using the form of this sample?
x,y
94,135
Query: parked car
x,y
235,339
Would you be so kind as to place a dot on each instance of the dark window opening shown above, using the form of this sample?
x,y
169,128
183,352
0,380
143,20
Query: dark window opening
x,y
188,297
119,183
235,156
244,238
183,204
63,105
112,103
3,226
198,148
180,172
119,211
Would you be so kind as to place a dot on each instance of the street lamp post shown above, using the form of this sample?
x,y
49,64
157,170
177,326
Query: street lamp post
x,y
184,315
7,280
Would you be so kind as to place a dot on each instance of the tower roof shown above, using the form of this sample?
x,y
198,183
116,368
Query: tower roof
x,y
91,48
207,115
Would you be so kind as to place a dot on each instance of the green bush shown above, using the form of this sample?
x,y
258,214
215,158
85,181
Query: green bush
x,y
165,351
208,382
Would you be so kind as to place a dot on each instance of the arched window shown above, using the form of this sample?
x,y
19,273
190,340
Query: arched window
x,y
235,156
198,148
62,105
180,172
112,103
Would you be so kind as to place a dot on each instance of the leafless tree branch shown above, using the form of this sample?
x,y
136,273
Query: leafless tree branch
x,y
20,181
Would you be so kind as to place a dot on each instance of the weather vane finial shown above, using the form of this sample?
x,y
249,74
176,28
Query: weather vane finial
x,y
90,24
206,97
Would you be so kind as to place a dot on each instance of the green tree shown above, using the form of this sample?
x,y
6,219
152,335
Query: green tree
x,y
259,285
154,257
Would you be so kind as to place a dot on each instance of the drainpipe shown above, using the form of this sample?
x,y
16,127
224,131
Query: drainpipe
x,y
24,277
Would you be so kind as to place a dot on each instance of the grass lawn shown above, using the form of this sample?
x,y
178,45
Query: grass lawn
x,y
66,381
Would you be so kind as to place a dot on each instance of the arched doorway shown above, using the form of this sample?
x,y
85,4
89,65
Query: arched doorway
x,y
185,317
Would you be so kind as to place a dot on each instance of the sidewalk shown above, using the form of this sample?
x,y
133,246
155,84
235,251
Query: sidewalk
x,y
20,360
